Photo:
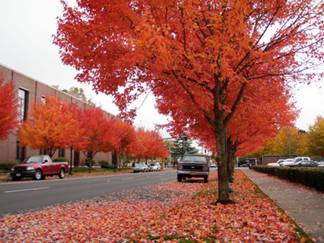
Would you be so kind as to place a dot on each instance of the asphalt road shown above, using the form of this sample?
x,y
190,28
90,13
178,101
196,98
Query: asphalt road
x,y
16,197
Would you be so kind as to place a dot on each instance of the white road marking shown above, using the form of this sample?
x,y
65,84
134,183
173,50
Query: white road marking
x,y
28,189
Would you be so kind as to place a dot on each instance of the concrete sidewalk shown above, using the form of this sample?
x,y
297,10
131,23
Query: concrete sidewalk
x,y
303,204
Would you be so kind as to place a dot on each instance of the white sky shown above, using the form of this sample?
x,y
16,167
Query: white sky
x,y
26,29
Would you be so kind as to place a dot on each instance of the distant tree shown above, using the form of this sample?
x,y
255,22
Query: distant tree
x,y
288,141
76,92
8,108
93,122
51,126
147,145
315,138
118,136
182,146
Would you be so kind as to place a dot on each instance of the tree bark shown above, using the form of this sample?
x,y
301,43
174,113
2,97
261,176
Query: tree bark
x,y
230,160
51,152
114,160
223,181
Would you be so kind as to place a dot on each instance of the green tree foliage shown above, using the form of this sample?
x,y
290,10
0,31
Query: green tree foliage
x,y
315,138
289,141
180,147
76,92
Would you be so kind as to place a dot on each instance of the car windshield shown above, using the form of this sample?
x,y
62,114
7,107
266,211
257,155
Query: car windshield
x,y
34,159
195,159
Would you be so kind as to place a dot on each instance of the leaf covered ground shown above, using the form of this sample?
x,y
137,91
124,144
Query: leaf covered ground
x,y
165,212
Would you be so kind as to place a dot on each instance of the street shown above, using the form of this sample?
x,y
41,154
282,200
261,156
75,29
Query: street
x,y
18,197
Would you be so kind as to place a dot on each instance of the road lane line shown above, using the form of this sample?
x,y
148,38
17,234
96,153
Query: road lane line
x,y
28,189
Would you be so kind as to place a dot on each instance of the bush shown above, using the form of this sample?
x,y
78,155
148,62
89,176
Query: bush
x,y
61,159
312,177
105,164
89,162
6,166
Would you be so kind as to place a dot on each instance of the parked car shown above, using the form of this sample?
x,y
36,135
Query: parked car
x,y
287,162
304,163
193,166
155,166
297,159
276,164
292,162
38,167
245,165
140,168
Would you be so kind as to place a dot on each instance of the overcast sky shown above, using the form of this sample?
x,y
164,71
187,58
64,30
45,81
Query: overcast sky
x,y
26,29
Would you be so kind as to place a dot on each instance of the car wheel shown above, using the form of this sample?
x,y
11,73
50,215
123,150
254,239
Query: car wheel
x,y
14,178
179,178
38,175
205,179
62,174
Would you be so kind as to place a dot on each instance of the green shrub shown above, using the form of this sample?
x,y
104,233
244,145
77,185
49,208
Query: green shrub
x,y
312,177
105,164
6,166
61,159
89,162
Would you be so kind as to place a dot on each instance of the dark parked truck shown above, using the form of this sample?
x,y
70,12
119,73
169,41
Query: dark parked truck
x,y
39,167
193,166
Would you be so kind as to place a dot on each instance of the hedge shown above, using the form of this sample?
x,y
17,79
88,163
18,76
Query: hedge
x,y
105,164
60,159
312,177
6,166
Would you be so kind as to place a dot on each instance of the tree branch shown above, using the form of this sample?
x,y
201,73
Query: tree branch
x,y
236,102
193,99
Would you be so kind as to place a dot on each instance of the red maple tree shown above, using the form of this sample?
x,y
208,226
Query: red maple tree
x,y
94,123
8,108
119,135
257,120
207,52
147,145
51,126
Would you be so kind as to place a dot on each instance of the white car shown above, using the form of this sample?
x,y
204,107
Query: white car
x,y
140,168
288,162
297,159
291,162
155,166
276,164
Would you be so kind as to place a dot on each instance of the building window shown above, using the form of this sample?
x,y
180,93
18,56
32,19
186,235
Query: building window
x,y
20,152
23,104
61,153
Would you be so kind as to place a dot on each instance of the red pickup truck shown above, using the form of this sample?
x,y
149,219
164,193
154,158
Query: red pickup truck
x,y
39,167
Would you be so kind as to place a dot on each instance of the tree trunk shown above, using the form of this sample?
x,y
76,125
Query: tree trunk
x,y
230,160
223,186
71,163
118,160
51,152
114,160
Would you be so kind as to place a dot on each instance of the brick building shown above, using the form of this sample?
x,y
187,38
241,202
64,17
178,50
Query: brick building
x,y
30,92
